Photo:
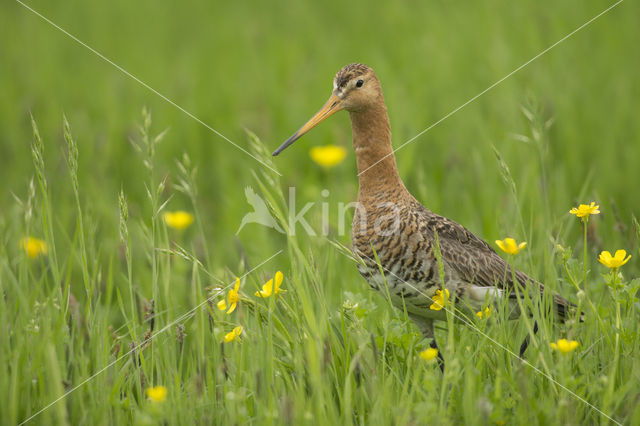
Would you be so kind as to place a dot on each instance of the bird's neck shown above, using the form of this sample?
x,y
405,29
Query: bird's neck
x,y
377,170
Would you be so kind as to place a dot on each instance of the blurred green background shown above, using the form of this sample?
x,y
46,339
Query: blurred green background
x,y
566,125
267,66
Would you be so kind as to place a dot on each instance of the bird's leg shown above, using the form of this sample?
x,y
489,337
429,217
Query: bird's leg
x,y
525,344
434,345
426,327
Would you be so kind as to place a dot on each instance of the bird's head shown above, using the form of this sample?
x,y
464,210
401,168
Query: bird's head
x,y
355,88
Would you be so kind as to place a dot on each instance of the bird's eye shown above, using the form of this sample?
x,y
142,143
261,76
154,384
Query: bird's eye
x,y
359,83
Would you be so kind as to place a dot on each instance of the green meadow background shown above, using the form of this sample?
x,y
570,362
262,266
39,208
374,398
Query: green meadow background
x,y
563,130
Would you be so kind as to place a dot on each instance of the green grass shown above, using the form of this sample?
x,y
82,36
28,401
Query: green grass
x,y
329,350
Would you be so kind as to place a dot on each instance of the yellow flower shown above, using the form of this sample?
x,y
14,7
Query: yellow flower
x,y
328,155
486,313
614,262
429,354
157,393
232,299
565,346
439,300
178,220
268,289
233,335
33,247
584,210
509,246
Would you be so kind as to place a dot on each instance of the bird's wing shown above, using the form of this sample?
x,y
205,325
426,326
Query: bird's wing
x,y
256,201
472,259
252,197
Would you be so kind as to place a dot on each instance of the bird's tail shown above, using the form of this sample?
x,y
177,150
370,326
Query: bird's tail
x,y
565,309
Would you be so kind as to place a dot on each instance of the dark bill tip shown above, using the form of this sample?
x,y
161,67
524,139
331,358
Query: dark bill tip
x,y
288,142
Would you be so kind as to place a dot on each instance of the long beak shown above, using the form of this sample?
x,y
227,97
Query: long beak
x,y
333,105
